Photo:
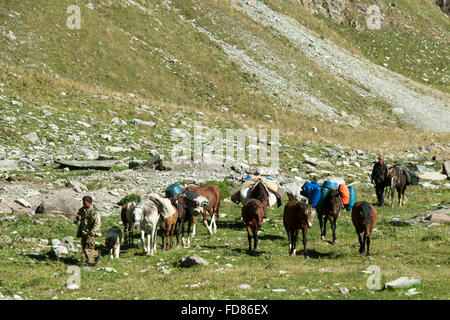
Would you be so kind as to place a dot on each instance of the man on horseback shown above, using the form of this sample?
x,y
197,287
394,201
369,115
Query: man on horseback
x,y
378,178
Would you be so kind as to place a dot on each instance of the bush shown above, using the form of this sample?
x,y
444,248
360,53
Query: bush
x,y
129,198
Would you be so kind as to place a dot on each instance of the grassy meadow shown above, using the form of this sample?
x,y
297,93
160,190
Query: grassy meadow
x,y
418,250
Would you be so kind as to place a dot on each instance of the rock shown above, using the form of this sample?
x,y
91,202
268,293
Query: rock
x,y
432,175
23,203
32,137
56,242
143,123
8,165
412,292
59,251
43,242
402,282
343,290
76,185
192,260
5,239
94,164
399,223
439,217
69,241
107,269
445,168
293,189
244,286
278,290
117,149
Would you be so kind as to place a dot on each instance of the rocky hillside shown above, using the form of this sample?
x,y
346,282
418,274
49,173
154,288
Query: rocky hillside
x,y
332,76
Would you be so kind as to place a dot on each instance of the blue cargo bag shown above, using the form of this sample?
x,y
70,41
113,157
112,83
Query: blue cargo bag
x,y
351,203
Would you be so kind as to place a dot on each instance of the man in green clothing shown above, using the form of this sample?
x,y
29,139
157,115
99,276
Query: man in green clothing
x,y
88,230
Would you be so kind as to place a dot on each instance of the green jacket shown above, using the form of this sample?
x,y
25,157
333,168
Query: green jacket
x,y
90,223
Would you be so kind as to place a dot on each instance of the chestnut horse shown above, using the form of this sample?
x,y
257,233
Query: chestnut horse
x,y
397,181
297,215
364,217
212,193
330,211
252,214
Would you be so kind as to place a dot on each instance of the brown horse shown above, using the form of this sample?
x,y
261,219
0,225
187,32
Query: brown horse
x,y
364,217
397,181
252,214
168,228
212,193
128,226
330,211
297,215
259,192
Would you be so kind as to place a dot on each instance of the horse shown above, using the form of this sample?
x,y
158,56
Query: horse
x,y
330,210
364,217
212,193
167,230
259,192
253,214
296,216
113,240
397,181
189,204
146,217
128,224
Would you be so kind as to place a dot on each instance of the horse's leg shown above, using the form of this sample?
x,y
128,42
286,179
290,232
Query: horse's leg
x,y
249,236
193,229
368,245
255,237
324,233
404,195
213,226
392,196
305,252
289,240
149,243
361,245
333,229
294,242
143,240
188,245
319,216
205,221
399,192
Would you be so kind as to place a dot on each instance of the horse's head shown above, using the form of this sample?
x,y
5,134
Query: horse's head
x,y
137,214
306,209
334,202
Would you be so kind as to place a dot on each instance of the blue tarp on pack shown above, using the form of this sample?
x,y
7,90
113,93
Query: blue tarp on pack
x,y
312,191
352,198
330,185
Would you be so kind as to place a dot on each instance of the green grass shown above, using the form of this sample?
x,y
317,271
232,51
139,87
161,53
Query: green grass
x,y
398,251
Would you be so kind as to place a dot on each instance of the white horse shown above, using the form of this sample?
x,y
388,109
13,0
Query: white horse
x,y
147,218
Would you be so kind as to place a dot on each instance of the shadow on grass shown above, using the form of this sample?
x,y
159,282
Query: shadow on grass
x,y
313,254
252,253
49,257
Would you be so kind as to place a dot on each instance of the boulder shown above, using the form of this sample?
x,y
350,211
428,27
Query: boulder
x,y
32,138
8,165
23,203
445,168
439,217
432,175
94,164
59,251
402,282
192,260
